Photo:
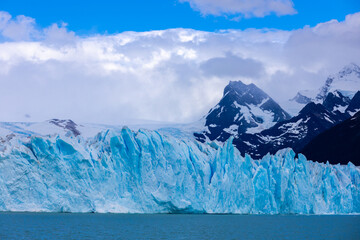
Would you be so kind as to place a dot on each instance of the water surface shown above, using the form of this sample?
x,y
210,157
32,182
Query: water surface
x,y
182,226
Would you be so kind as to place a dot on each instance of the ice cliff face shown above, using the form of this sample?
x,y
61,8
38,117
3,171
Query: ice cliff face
x,y
150,172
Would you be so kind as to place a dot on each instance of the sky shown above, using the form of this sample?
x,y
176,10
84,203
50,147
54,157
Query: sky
x,y
164,60
110,16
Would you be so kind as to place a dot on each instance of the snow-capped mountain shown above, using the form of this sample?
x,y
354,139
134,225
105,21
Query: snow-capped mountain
x,y
242,109
339,144
346,82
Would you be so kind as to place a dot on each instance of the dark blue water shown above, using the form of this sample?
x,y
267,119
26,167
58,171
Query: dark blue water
x,y
123,226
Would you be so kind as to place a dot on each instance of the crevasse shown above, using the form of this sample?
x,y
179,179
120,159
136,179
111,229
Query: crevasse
x,y
149,172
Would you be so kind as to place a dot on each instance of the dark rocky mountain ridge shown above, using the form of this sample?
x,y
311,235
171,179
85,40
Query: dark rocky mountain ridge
x,y
339,144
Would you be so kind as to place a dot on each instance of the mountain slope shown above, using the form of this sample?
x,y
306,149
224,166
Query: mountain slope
x,y
339,144
354,105
294,133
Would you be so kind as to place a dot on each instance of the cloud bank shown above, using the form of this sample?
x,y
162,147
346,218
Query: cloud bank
x,y
170,75
246,8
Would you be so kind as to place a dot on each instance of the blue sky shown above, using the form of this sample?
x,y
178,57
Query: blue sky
x,y
110,16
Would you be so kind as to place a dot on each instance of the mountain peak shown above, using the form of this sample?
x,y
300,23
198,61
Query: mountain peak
x,y
313,108
346,81
350,68
239,87
234,85
244,108
243,93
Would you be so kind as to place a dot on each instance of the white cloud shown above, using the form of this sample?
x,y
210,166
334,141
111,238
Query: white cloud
x,y
20,28
246,8
56,34
170,75
23,28
4,19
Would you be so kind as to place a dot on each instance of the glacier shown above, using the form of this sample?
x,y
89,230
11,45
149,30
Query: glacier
x,y
147,171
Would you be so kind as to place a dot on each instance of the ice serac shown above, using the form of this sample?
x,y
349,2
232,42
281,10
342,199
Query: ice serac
x,y
149,172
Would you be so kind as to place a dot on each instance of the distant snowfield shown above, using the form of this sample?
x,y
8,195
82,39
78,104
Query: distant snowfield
x,y
89,130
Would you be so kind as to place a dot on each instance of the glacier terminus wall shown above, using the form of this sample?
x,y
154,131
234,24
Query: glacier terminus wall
x,y
150,172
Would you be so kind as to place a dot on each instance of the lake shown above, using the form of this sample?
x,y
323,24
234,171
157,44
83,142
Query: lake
x,y
172,226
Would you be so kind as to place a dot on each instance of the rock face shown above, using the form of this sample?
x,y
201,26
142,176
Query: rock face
x,y
339,144
149,172
242,109
336,101
354,105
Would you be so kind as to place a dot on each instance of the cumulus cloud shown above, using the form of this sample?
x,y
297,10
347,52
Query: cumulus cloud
x,y
170,75
23,28
246,8
20,28
58,34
